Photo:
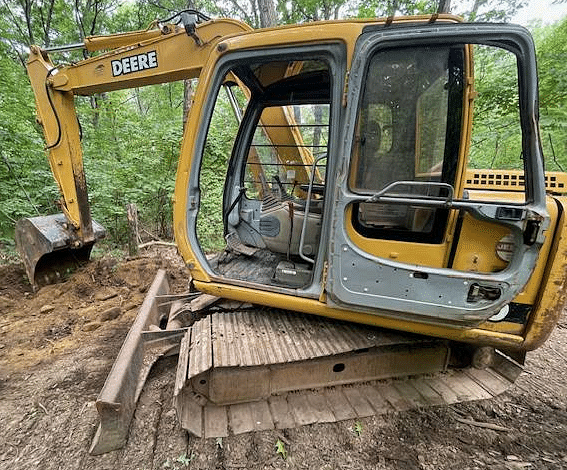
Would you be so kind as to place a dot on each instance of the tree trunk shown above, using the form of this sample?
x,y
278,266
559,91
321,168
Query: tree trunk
x,y
297,114
46,21
267,13
132,217
27,7
392,7
444,6
318,115
475,8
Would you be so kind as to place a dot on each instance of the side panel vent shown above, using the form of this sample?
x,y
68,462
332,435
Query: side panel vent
x,y
512,180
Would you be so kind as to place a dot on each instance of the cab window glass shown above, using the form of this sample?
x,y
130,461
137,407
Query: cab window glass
x,y
408,134
284,146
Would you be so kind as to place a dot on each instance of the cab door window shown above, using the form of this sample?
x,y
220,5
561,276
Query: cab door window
x,y
407,136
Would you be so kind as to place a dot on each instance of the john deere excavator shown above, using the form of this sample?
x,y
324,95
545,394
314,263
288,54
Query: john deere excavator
x,y
368,267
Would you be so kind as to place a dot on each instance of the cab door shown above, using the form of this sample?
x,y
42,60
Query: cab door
x,y
400,198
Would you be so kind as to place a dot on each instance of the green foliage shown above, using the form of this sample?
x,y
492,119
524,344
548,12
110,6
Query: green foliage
x,y
220,139
491,10
136,16
552,55
398,7
358,429
309,10
27,187
131,146
132,138
184,460
479,10
280,449
496,140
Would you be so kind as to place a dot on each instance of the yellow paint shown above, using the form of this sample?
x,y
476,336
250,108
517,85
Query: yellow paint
x,y
341,32
473,252
94,75
421,254
114,41
221,36
476,247
314,307
65,158
503,327
478,241
551,298
512,180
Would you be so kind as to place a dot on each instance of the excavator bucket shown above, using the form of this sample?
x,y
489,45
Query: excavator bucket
x,y
49,247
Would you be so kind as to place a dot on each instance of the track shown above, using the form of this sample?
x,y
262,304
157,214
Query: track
x,y
270,369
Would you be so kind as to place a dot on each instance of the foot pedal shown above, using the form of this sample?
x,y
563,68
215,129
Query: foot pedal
x,y
234,244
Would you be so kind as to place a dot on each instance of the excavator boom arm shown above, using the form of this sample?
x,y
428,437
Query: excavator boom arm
x,y
173,55
135,59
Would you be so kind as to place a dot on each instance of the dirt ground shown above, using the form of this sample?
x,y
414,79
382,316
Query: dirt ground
x,y
57,346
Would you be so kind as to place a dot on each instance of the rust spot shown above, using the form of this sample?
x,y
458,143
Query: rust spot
x,y
540,329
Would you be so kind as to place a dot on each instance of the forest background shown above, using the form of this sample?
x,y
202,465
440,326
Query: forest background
x,y
132,138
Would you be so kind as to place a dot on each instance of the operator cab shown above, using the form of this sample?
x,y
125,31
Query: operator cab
x,y
275,185
347,186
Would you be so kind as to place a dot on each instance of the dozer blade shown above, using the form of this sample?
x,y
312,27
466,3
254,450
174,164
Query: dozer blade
x,y
49,247
249,371
145,343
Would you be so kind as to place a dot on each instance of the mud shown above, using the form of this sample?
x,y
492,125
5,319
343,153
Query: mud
x,y
57,346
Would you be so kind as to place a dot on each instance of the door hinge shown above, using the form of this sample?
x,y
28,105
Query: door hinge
x,y
192,202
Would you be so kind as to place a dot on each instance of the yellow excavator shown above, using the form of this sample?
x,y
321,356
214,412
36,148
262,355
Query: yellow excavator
x,y
369,266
